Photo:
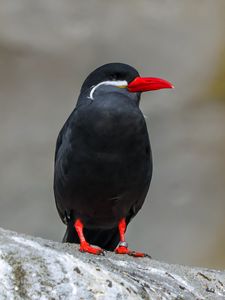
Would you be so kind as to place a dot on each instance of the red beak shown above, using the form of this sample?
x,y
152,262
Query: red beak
x,y
144,84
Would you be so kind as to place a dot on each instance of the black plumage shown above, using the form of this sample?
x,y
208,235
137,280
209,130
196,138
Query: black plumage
x,y
103,161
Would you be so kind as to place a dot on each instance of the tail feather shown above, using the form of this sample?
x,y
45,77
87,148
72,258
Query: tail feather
x,y
107,239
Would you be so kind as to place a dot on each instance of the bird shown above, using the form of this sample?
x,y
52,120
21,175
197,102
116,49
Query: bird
x,y
103,159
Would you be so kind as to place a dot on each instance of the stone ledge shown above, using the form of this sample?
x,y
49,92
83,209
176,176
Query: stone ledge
x,y
34,268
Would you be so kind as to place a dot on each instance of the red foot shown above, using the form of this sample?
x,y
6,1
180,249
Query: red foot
x,y
125,250
86,247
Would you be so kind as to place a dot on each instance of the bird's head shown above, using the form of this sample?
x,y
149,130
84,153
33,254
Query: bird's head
x,y
122,76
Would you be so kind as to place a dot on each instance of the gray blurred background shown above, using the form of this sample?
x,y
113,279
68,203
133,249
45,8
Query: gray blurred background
x,y
47,48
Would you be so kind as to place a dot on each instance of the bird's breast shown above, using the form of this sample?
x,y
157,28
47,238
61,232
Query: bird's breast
x,y
108,126
110,146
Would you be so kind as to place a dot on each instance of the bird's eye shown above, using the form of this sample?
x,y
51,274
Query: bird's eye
x,y
115,76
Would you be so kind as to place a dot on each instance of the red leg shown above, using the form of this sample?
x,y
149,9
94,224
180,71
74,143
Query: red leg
x,y
84,245
123,246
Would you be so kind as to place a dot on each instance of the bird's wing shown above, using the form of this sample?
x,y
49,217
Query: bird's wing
x,y
63,131
62,147
144,190
66,128
59,142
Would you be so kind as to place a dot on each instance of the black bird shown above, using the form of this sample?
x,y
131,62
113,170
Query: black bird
x,y
103,161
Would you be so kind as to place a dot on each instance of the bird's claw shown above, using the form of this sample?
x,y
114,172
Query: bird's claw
x,y
126,250
148,256
139,254
122,250
86,247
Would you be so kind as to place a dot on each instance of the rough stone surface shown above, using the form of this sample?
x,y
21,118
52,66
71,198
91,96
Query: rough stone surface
x,y
34,268
47,48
